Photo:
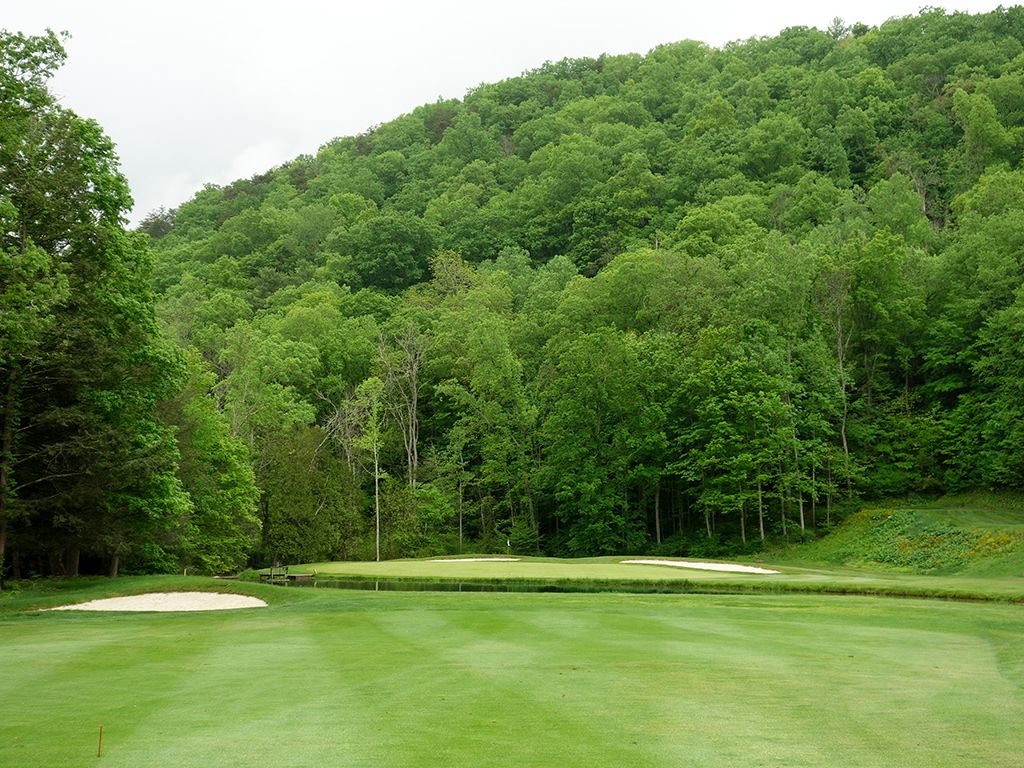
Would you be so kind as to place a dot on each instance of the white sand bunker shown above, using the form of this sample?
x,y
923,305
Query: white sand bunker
x,y
168,601
475,560
731,568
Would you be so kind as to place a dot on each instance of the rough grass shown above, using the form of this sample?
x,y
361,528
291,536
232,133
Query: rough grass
x,y
329,677
972,535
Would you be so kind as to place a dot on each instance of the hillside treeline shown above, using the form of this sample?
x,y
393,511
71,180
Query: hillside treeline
x,y
675,303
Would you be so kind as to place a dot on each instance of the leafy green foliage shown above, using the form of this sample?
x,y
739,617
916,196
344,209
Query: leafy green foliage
x,y
695,299
688,301
86,465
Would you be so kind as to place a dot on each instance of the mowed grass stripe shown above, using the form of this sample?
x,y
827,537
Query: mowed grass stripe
x,y
273,701
462,671
123,668
711,686
417,679
784,666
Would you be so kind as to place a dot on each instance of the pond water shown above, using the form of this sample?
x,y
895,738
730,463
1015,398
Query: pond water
x,y
403,585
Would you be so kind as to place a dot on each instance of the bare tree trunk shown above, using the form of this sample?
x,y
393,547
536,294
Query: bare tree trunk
x,y
838,289
782,509
657,512
3,549
800,503
814,497
796,450
376,496
760,508
828,496
401,375
264,507
841,345
529,500
71,560
343,427
678,509
114,562
846,447
6,459
743,524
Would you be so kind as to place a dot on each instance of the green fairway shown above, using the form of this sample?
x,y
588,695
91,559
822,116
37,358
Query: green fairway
x,y
330,677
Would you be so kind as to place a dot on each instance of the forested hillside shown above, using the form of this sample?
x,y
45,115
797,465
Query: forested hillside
x,y
663,303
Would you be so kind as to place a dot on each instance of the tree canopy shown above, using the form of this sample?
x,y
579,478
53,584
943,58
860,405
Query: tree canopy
x,y
89,466
677,302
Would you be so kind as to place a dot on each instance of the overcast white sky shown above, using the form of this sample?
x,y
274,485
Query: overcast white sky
x,y
214,90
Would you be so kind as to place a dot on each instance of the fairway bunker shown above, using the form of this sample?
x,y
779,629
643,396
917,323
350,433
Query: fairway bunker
x,y
168,601
701,566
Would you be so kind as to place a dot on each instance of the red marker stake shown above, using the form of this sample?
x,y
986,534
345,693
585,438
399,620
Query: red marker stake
x,y
99,749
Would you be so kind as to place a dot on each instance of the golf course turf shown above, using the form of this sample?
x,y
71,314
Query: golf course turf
x,y
611,574
332,677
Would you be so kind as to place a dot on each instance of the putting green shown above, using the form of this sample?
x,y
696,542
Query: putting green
x,y
608,570
525,568
330,677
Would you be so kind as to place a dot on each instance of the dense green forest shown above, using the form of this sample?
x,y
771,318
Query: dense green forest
x,y
679,303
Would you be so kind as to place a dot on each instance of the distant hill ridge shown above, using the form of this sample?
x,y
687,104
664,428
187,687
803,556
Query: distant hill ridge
x,y
669,302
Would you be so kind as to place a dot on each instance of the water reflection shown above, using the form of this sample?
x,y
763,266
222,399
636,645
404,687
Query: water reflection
x,y
402,585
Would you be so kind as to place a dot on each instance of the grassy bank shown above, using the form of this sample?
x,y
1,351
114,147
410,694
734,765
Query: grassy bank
x,y
972,535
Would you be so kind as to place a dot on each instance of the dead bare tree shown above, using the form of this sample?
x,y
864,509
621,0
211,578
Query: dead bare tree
x,y
401,358
343,427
